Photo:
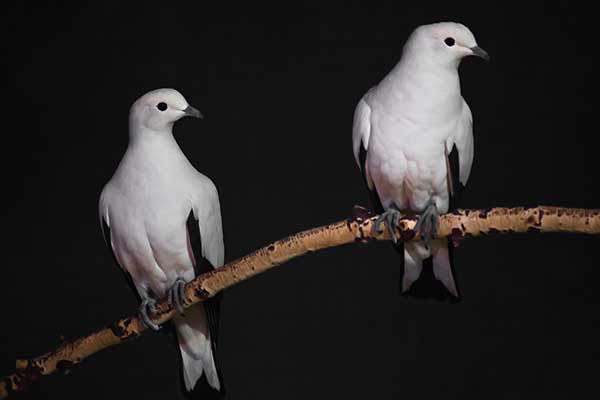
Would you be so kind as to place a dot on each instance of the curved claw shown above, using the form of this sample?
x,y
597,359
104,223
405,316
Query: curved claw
x,y
390,219
435,224
428,223
177,295
148,306
392,222
378,222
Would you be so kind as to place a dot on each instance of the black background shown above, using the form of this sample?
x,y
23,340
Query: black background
x,y
278,86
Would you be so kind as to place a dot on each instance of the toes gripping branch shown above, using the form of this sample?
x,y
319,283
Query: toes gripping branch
x,y
390,218
147,308
177,295
428,222
176,299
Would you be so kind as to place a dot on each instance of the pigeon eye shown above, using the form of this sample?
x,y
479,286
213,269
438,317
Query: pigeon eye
x,y
162,106
449,41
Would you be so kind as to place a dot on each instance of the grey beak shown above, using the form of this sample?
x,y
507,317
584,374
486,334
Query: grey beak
x,y
193,112
479,52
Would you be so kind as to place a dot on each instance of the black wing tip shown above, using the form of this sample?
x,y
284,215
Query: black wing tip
x,y
375,201
202,265
211,307
454,184
427,287
203,390
191,217
438,295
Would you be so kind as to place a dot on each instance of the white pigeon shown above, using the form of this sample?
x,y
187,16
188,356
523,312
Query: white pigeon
x,y
162,220
413,141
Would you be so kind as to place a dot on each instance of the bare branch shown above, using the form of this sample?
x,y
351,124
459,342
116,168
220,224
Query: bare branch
x,y
359,228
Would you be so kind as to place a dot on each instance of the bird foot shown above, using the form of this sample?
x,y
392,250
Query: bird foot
x,y
390,218
177,295
428,223
148,307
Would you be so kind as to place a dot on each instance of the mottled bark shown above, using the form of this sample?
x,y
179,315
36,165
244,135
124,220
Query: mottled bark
x,y
358,228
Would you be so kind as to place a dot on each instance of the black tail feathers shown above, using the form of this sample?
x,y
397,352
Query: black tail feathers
x,y
202,390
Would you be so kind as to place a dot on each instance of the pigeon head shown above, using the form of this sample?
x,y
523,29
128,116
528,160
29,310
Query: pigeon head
x,y
159,109
445,43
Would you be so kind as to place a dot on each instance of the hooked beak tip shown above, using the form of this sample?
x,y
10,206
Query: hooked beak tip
x,y
193,112
479,52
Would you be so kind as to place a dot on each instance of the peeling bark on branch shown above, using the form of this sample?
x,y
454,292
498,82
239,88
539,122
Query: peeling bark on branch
x,y
358,228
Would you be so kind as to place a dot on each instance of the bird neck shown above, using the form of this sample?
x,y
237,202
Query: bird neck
x,y
423,84
139,132
152,141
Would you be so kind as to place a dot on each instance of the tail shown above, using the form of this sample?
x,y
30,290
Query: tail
x,y
197,343
429,272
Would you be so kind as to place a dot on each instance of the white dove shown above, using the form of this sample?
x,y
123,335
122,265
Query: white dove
x,y
413,141
161,218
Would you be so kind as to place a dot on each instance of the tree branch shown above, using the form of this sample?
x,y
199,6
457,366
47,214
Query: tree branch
x,y
358,228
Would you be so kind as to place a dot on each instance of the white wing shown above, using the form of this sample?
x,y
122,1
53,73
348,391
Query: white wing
x,y
361,133
208,211
361,130
195,331
464,143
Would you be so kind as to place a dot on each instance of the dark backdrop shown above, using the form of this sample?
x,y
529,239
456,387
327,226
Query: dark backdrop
x,y
278,86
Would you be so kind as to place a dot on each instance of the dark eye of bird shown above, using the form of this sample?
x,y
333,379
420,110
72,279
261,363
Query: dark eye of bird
x,y
161,106
449,41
